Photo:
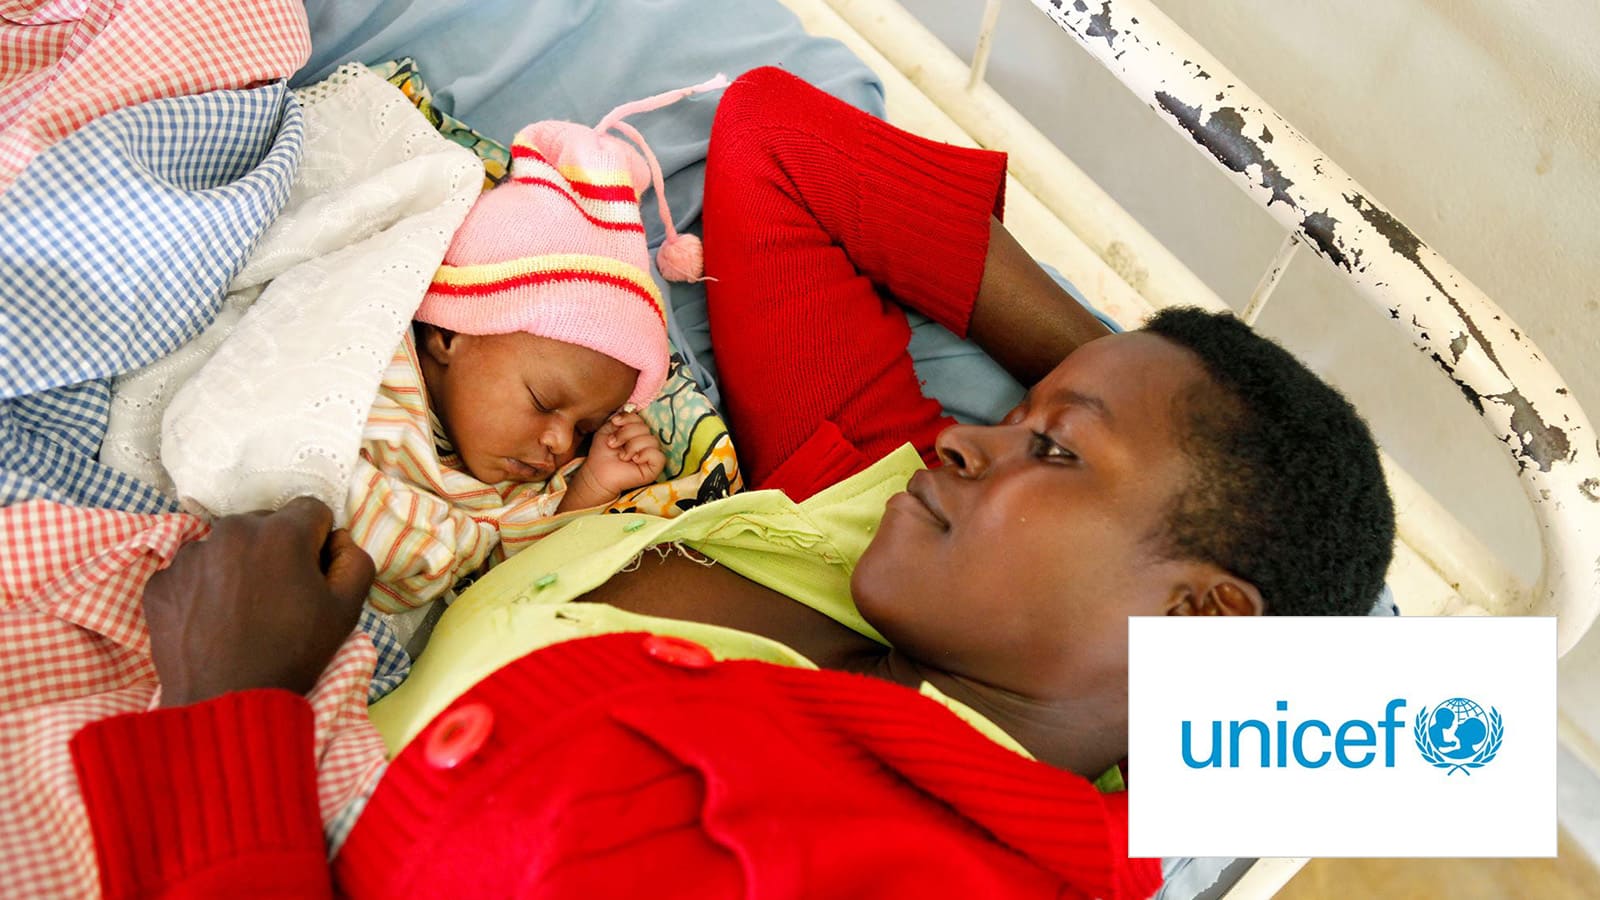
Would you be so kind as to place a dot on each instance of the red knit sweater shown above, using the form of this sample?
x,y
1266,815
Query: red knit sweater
x,y
610,771
820,220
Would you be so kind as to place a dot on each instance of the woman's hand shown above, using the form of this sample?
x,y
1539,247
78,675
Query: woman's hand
x,y
264,601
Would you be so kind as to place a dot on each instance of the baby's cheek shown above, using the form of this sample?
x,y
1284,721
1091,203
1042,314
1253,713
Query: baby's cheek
x,y
479,467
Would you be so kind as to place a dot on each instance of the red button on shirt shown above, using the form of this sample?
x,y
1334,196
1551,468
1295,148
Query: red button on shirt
x,y
677,651
458,734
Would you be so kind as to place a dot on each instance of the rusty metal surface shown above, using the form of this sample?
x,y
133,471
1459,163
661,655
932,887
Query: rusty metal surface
x,y
1500,372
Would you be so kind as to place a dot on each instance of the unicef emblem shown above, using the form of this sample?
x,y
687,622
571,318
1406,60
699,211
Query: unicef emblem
x,y
1458,735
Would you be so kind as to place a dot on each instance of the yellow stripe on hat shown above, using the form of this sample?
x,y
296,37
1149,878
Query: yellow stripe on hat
x,y
600,177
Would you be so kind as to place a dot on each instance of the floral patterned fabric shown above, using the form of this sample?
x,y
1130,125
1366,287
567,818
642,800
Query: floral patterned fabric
x,y
403,74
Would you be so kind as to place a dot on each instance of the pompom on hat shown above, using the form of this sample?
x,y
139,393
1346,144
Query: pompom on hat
x,y
559,250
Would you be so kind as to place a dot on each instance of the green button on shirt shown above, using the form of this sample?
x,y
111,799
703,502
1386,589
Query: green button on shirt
x,y
806,551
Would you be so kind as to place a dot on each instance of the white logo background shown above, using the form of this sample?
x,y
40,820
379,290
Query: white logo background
x,y
1336,669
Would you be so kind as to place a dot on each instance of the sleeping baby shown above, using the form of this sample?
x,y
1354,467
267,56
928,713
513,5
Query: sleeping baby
x,y
537,340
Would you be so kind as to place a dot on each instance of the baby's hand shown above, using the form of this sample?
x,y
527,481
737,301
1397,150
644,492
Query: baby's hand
x,y
623,454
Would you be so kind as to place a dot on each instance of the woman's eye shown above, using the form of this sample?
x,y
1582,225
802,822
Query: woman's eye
x,y
1046,448
539,404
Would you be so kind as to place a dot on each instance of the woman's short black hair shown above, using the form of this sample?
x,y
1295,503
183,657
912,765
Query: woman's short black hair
x,y
1286,491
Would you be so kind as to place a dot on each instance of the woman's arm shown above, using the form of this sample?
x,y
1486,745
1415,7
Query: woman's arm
x,y
1022,318
219,789
820,220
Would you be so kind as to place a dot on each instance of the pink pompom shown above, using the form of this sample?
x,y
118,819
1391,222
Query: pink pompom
x,y
681,258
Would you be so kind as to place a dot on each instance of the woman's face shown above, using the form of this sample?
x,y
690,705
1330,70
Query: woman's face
x,y
517,407
1018,562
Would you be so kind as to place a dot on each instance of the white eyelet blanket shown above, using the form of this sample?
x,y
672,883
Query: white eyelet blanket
x,y
269,403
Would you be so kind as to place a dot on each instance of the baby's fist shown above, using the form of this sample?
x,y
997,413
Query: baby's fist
x,y
624,454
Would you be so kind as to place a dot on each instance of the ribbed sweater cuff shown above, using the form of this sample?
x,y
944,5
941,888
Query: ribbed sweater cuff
x,y
201,797
927,207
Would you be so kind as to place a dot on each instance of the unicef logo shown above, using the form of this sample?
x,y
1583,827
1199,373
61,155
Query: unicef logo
x,y
1457,735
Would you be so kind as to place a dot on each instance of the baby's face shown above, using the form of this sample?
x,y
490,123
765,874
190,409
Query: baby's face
x,y
518,407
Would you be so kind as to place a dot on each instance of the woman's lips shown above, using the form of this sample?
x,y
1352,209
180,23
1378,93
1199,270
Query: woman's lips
x,y
919,498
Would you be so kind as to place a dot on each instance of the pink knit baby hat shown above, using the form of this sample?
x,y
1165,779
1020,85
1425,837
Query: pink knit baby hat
x,y
559,251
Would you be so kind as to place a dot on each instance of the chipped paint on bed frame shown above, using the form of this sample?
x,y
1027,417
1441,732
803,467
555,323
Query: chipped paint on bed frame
x,y
1501,373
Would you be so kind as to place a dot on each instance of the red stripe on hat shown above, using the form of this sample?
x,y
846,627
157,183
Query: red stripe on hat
x,y
599,223
556,276
604,191
591,191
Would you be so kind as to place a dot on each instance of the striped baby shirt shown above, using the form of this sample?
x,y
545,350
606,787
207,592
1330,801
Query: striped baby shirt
x,y
413,507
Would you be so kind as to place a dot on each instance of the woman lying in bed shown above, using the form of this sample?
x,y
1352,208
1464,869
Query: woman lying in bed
x,y
1190,468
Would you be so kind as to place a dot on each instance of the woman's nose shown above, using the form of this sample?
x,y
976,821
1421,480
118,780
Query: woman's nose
x,y
965,449
974,450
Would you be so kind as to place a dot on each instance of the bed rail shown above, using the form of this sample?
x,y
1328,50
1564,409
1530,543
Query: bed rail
x,y
1517,394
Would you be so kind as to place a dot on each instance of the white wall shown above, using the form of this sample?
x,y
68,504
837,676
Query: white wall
x,y
1476,121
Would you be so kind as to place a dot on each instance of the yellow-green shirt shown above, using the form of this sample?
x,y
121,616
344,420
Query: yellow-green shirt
x,y
805,551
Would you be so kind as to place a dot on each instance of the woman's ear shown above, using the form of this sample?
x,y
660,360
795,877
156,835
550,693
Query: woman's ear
x,y
440,344
1225,596
1235,597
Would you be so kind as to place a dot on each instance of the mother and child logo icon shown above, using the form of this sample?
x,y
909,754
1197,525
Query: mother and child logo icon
x,y
1458,735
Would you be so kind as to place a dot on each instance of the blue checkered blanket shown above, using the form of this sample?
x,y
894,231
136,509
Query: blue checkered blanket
x,y
116,246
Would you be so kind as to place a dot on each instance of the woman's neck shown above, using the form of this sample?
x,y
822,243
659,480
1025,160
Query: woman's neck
x,y
1086,735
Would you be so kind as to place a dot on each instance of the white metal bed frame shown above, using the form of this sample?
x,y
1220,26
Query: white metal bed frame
x,y
1062,217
